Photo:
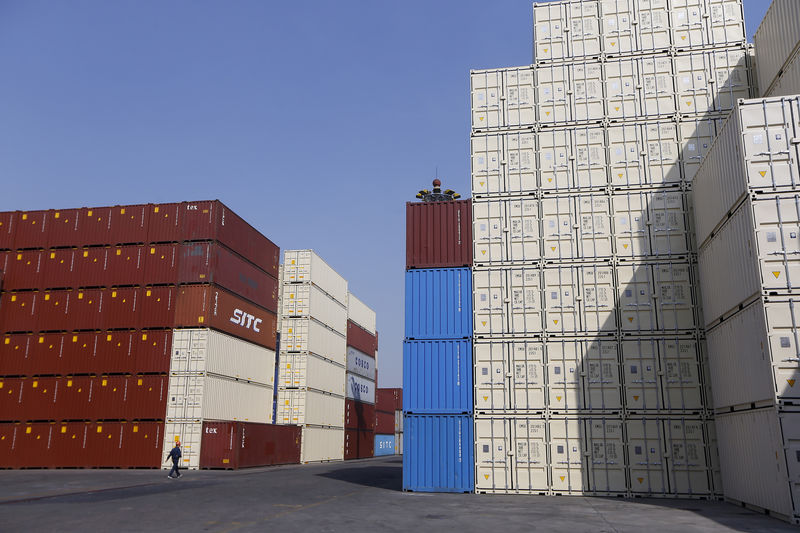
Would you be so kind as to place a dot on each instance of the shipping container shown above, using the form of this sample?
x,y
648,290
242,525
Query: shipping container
x,y
438,453
384,445
8,229
358,443
322,444
31,229
307,300
752,154
398,444
776,40
361,339
359,388
398,421
309,407
307,335
22,269
305,266
788,83
438,303
359,415
361,364
579,299
305,370
360,314
389,399
502,97
438,234
234,445
384,421
207,396
208,351
511,455
437,377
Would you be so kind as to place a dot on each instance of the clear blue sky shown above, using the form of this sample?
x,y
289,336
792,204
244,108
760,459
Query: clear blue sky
x,y
315,121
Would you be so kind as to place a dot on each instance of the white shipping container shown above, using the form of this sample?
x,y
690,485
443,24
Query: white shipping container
x,y
507,300
205,350
310,336
568,456
504,162
579,299
655,297
280,301
708,82
308,407
650,223
576,227
583,375
788,83
322,444
606,445
754,152
776,40
753,355
189,434
630,26
360,388
569,92
358,312
524,390
307,300
505,230
759,453
398,443
360,363
647,463
696,137
305,266
398,421
687,463
207,396
502,98
643,154
550,31
304,370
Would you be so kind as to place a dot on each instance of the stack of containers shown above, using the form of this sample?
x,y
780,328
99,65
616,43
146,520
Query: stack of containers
x,y
777,49
589,366
749,185
93,354
359,404
313,354
437,352
389,422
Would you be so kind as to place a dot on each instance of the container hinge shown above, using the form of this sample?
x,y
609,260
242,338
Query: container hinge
x,y
795,140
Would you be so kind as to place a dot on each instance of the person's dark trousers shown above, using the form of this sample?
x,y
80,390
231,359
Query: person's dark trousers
x,y
174,469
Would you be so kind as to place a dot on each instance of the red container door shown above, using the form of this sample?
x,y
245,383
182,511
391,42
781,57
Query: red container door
x,y
142,444
8,227
439,234
75,397
161,264
104,441
32,444
121,308
11,397
158,307
152,349
79,353
164,223
16,355
114,352
109,398
268,444
67,445
95,226
128,224
219,447
124,266
147,397
65,228
32,229
9,454
23,270
18,311
384,422
350,444
60,269
361,339
39,397
45,354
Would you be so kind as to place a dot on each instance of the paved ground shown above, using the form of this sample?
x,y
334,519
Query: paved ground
x,y
348,497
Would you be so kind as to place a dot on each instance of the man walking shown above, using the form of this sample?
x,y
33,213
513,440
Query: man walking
x,y
175,454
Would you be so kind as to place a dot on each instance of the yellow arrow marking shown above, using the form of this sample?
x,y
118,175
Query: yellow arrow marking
x,y
613,43
485,398
558,398
555,321
483,322
630,319
549,180
481,183
553,248
689,104
616,108
480,118
776,273
562,478
683,37
486,476
640,479
625,246
483,252
636,398
762,172
547,113
790,382
546,49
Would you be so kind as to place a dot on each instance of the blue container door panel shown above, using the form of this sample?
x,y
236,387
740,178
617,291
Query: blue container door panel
x,y
437,376
438,453
438,303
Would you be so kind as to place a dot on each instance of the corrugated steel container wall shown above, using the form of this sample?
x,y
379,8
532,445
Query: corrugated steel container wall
x,y
359,313
198,396
389,399
776,39
398,444
124,224
384,421
752,153
361,339
439,234
438,303
384,445
789,82
758,451
360,363
309,407
121,265
8,229
359,415
212,220
304,370
23,269
305,266
210,262
164,223
205,350
189,433
398,421
358,444
32,227
359,388
437,377
438,453
234,445
309,335
19,311
307,300
65,227
322,444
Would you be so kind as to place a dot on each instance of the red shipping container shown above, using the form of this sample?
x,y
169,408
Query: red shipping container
x,y
158,307
141,444
65,310
213,221
65,227
161,264
31,446
439,234
153,349
32,229
359,415
121,307
358,444
127,224
76,398
24,399
389,400
233,445
104,445
124,265
384,422
95,226
9,456
210,262
8,227
146,397
109,399
19,311
361,339
15,354
163,224
67,445
23,269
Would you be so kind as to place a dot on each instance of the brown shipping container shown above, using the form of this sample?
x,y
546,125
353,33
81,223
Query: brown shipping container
x,y
358,444
161,264
8,227
23,269
65,227
19,311
32,229
210,262
359,415
389,400
124,265
233,445
439,234
384,422
164,223
361,339
127,224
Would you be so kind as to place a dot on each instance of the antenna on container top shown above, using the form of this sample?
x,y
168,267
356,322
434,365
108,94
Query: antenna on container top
x,y
437,195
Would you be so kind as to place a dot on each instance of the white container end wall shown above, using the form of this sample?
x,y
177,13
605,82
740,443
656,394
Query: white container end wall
x,y
360,313
305,266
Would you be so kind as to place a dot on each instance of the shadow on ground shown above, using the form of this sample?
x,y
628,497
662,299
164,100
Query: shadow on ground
x,y
381,477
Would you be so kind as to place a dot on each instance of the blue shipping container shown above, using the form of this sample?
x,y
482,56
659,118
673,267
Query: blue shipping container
x,y
439,303
437,376
384,445
438,453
